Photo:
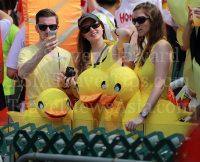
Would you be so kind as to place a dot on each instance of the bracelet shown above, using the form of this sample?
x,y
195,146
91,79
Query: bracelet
x,y
116,32
66,87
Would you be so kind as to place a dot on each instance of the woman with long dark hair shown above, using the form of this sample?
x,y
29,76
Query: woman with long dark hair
x,y
154,67
91,42
94,50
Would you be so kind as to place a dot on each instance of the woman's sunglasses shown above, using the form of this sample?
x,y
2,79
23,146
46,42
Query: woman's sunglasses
x,y
86,29
139,20
43,27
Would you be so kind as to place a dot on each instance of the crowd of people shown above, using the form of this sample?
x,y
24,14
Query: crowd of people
x,y
104,27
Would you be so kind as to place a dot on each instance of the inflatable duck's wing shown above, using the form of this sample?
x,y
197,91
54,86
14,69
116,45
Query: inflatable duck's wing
x,y
31,116
184,128
17,117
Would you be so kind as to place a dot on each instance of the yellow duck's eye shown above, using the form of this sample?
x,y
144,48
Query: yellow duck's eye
x,y
68,102
77,87
117,87
40,105
103,85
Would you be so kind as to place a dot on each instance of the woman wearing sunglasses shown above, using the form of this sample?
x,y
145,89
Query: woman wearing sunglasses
x,y
95,52
91,43
154,65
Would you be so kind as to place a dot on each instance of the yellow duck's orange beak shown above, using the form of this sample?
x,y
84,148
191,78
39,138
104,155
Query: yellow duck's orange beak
x,y
90,101
108,101
54,115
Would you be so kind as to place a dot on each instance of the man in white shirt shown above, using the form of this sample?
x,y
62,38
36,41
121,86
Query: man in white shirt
x,y
105,12
124,14
12,58
5,23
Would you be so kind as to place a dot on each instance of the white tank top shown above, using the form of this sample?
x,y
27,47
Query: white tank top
x,y
124,14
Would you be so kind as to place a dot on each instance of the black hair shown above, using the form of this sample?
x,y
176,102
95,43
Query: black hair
x,y
106,2
46,13
15,18
10,4
1,5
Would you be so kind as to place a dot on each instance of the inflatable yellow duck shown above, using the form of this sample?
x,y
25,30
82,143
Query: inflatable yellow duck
x,y
90,87
123,83
53,108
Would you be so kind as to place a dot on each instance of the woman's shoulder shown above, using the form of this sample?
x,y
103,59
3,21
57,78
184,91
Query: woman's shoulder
x,y
163,42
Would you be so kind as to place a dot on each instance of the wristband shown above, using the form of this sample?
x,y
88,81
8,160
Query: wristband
x,y
116,32
66,87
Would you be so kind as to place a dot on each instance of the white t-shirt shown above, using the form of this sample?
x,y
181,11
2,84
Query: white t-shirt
x,y
104,16
17,45
124,14
5,28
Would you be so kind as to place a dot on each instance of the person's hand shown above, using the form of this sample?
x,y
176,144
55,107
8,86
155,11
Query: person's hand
x,y
125,58
48,45
132,124
65,82
60,79
197,12
182,48
190,15
73,82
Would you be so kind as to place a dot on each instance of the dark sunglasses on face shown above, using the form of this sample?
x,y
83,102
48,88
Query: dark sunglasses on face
x,y
139,20
43,27
86,29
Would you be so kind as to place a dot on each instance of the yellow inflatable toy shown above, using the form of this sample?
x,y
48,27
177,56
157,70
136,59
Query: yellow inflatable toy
x,y
179,12
90,86
53,108
123,83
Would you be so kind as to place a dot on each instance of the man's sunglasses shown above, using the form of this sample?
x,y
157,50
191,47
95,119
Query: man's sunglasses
x,y
139,20
86,29
43,27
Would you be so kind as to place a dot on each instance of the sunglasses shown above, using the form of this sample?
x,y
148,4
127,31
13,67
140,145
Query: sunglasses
x,y
139,20
86,29
43,27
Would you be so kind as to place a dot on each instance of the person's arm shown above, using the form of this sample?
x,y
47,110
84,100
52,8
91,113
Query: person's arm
x,y
3,15
163,61
92,5
123,36
188,29
12,73
29,66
